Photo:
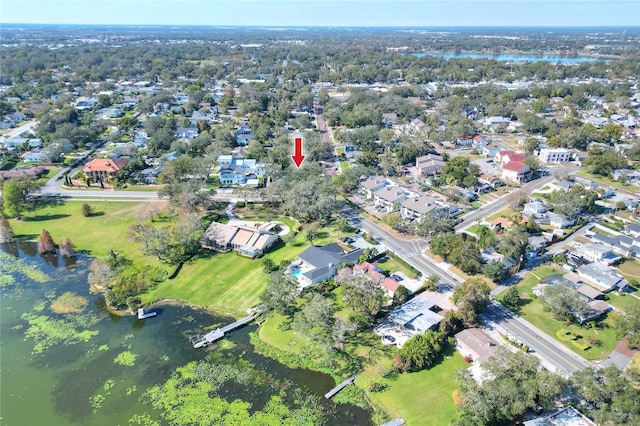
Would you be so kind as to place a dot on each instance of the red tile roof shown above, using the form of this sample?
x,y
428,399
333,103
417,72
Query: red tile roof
x,y
390,285
514,166
105,165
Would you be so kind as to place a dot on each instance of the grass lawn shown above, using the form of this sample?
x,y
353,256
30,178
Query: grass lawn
x,y
339,150
225,282
96,234
392,264
506,212
474,228
533,311
141,187
621,301
422,398
344,166
630,268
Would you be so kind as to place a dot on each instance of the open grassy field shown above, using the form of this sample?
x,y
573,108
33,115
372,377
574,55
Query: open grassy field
x,y
227,282
506,212
630,268
533,311
344,166
422,398
607,181
106,229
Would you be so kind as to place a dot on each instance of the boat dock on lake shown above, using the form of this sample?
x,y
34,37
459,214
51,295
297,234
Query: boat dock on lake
x,y
342,385
217,334
143,315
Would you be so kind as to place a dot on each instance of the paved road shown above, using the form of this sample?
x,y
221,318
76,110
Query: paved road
x,y
553,355
20,130
488,209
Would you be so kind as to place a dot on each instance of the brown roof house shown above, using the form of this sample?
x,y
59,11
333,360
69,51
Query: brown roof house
x,y
101,169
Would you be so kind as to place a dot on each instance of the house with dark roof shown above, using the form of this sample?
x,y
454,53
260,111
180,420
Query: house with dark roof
x,y
632,229
568,416
620,244
319,263
417,207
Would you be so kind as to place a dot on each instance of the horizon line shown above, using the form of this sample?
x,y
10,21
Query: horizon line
x,y
315,26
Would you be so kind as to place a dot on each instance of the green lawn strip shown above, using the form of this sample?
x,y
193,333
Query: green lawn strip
x,y
506,212
474,228
630,268
339,150
622,301
96,235
422,398
344,165
392,264
141,188
533,311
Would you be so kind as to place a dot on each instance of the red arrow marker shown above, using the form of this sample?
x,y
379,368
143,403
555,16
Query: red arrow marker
x,y
297,156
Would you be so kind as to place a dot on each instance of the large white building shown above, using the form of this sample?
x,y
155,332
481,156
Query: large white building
x,y
554,155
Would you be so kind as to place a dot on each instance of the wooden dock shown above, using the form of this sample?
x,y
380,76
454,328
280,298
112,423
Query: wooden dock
x,y
341,385
217,334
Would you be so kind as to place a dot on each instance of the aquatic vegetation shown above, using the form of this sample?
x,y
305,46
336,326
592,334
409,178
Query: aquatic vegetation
x,y
48,332
188,396
143,420
110,383
96,402
10,267
164,358
127,358
226,344
69,303
132,389
103,348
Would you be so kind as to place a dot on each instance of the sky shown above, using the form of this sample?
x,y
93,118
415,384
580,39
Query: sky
x,y
403,13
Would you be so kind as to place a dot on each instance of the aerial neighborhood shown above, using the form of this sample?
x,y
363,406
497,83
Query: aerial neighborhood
x,y
453,221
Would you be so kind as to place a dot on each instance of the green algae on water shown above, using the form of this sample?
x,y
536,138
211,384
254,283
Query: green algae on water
x,y
10,267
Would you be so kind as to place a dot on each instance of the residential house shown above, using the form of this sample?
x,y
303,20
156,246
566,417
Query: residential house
x,y
491,180
150,175
464,193
475,344
250,242
465,140
317,264
244,134
34,172
598,253
238,171
86,103
490,254
16,117
389,119
626,175
109,113
187,132
603,277
35,156
429,165
389,198
506,156
535,208
516,171
103,169
490,151
6,125
415,126
497,121
375,274
198,116
414,317
598,122
554,155
536,245
620,244
417,207
559,221
568,416
633,229
479,141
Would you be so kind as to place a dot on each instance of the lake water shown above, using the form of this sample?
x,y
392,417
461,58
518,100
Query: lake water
x,y
508,57
52,376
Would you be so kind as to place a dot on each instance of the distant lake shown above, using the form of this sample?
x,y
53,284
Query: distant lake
x,y
508,57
